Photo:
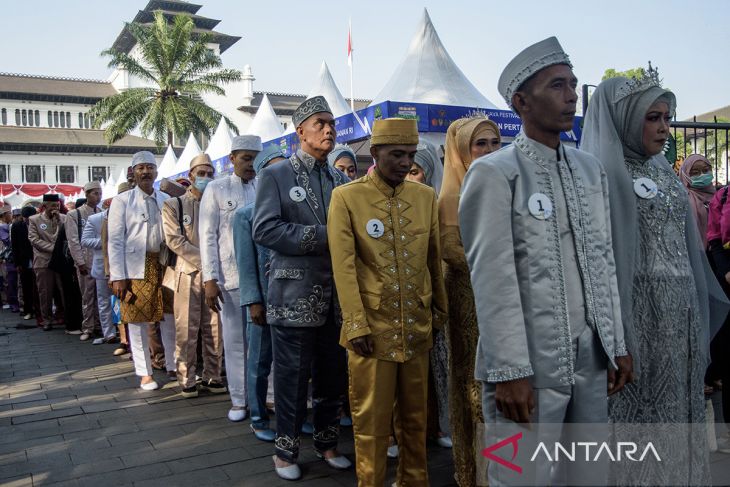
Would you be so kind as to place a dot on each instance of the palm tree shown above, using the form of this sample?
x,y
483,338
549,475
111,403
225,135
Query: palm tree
x,y
180,67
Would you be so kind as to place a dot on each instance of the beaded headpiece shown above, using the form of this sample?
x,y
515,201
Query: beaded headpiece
x,y
648,79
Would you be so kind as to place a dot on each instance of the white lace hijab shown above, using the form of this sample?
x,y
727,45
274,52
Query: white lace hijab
x,y
613,132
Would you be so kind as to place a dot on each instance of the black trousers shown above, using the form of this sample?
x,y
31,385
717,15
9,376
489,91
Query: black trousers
x,y
301,352
30,292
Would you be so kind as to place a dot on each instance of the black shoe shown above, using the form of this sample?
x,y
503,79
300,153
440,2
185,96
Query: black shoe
x,y
189,392
214,387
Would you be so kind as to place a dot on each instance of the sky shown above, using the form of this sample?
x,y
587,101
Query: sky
x,y
285,41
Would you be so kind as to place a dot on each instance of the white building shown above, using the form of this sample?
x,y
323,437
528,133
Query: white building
x,y
46,140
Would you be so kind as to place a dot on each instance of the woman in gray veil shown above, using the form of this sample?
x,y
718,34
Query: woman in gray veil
x,y
663,281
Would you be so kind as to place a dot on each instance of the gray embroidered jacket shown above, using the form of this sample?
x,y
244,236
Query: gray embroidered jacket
x,y
291,220
532,218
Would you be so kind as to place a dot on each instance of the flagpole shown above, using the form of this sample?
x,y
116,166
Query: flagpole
x,y
349,59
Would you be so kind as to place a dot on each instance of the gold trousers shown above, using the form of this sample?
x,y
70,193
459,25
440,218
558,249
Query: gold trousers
x,y
380,389
191,315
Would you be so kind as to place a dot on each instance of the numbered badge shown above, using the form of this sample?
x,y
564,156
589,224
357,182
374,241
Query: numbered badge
x,y
375,228
645,188
540,206
144,217
230,204
43,226
297,194
187,220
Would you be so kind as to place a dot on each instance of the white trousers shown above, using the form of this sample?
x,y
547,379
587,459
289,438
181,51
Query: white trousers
x,y
167,332
234,345
103,297
140,345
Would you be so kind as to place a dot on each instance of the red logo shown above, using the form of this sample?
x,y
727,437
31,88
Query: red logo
x,y
488,452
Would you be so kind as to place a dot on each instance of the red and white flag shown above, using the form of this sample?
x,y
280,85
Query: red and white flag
x,y
349,45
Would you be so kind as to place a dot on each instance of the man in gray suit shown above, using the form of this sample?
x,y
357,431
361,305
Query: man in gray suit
x,y
291,216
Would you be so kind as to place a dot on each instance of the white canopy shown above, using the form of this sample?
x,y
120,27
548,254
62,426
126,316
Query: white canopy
x,y
326,87
191,150
220,143
428,75
111,186
167,167
265,123
123,174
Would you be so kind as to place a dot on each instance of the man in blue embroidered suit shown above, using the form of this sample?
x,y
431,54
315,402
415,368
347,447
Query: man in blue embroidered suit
x,y
291,220
535,224
252,279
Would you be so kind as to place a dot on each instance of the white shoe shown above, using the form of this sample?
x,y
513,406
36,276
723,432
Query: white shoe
x,y
97,341
338,463
393,451
723,445
27,316
73,332
84,337
236,415
445,442
149,386
6,306
292,472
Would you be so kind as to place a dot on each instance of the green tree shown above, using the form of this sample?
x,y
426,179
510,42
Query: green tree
x,y
180,67
629,73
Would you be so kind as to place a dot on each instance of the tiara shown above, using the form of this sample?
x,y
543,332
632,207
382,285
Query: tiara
x,y
649,79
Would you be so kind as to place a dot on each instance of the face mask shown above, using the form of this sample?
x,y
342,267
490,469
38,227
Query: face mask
x,y
702,180
201,183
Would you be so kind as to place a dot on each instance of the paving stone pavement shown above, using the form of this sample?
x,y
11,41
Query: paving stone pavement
x,y
71,414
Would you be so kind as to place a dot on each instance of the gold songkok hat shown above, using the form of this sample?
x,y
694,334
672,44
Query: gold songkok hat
x,y
394,131
91,185
201,159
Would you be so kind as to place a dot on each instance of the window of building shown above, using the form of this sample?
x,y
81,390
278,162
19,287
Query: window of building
x,y
4,116
3,173
33,174
98,173
24,118
81,120
66,174
37,118
68,120
55,119
17,117
86,121
50,118
63,120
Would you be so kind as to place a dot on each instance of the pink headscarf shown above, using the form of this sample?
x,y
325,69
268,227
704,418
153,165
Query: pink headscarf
x,y
699,198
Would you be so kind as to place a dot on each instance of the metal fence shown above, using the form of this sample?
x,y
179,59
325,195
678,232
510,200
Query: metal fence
x,y
707,138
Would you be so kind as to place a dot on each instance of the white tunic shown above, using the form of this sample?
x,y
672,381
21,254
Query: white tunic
x,y
217,207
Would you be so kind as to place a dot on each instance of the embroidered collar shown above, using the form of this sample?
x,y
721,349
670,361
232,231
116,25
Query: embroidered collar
x,y
309,161
538,152
384,187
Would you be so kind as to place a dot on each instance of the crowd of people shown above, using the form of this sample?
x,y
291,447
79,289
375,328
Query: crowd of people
x,y
531,283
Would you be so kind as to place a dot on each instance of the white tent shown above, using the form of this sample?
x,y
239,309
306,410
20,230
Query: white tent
x,y
167,167
123,174
220,143
428,75
191,150
111,183
265,123
326,87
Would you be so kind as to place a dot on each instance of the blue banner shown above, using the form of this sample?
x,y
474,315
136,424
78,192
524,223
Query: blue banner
x,y
354,127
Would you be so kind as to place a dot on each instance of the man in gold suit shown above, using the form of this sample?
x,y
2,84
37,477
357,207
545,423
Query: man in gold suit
x,y
384,239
